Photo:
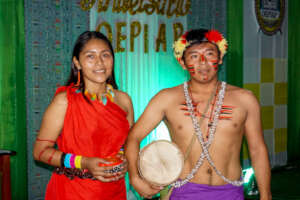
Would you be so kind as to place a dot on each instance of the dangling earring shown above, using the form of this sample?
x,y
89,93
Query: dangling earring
x,y
78,79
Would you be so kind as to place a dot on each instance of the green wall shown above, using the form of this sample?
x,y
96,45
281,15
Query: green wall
x,y
293,145
234,74
234,67
12,92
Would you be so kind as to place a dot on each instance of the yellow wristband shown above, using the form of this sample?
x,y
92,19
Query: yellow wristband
x,y
78,162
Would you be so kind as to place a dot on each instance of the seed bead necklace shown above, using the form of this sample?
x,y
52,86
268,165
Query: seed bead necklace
x,y
109,94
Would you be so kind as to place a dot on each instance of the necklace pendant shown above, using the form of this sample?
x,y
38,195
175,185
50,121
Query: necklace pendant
x,y
104,100
93,97
108,94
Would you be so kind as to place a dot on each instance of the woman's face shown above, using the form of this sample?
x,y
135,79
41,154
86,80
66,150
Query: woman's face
x,y
95,61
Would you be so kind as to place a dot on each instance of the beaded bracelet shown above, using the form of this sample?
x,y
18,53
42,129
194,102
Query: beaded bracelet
x,y
67,160
62,159
121,151
71,161
78,162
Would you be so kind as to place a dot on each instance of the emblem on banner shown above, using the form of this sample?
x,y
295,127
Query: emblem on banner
x,y
270,15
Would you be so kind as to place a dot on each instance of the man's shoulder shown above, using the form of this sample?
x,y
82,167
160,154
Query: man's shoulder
x,y
235,90
171,91
242,94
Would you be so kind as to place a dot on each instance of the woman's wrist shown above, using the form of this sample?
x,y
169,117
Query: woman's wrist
x,y
84,162
69,160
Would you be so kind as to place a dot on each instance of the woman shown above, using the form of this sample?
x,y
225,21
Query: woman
x,y
89,120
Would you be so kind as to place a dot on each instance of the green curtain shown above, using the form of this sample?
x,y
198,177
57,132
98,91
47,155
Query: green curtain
x,y
234,67
293,146
12,92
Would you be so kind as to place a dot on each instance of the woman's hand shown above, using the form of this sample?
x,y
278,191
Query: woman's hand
x,y
100,173
124,165
103,173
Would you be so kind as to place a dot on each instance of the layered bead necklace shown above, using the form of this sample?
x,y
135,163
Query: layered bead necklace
x,y
205,144
109,94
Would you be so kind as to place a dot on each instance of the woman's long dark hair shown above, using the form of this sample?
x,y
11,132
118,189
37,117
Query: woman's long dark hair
x,y
81,41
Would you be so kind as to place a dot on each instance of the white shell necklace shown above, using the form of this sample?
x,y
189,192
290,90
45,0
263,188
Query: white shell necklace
x,y
205,144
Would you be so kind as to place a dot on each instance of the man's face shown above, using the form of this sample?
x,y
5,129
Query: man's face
x,y
202,61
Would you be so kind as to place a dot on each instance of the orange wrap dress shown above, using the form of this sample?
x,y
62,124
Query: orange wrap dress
x,y
91,130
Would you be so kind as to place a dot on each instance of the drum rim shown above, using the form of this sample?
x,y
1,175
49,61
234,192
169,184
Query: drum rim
x,y
146,147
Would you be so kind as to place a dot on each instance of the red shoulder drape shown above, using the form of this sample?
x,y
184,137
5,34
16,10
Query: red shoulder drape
x,y
91,130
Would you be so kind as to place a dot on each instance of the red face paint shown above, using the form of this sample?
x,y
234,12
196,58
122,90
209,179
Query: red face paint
x,y
202,58
215,64
192,72
191,69
226,112
228,107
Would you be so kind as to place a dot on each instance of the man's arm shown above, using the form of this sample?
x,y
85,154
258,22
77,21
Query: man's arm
x,y
151,117
257,147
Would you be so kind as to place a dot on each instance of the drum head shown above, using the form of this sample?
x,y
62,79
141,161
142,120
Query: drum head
x,y
160,162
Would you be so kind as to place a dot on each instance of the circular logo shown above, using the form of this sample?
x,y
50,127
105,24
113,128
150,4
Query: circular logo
x,y
270,15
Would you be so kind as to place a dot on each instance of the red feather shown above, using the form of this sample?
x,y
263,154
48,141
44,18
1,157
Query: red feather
x,y
214,36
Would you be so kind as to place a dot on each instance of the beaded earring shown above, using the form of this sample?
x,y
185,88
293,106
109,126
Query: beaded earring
x,y
78,78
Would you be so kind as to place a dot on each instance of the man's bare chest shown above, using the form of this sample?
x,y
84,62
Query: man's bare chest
x,y
231,118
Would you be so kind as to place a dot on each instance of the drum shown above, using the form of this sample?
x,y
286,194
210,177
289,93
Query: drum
x,y
160,163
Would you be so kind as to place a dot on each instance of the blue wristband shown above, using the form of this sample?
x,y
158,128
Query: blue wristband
x,y
67,160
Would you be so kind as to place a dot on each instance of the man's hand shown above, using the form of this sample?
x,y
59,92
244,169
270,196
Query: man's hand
x,y
144,189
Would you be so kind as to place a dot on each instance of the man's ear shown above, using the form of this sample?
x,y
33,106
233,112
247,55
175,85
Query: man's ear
x,y
76,63
181,62
221,59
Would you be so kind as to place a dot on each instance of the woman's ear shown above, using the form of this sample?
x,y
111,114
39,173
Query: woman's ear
x,y
76,63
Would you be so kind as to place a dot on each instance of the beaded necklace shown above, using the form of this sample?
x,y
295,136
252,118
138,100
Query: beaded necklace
x,y
109,94
205,144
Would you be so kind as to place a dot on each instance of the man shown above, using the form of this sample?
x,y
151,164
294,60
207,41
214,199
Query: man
x,y
224,113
